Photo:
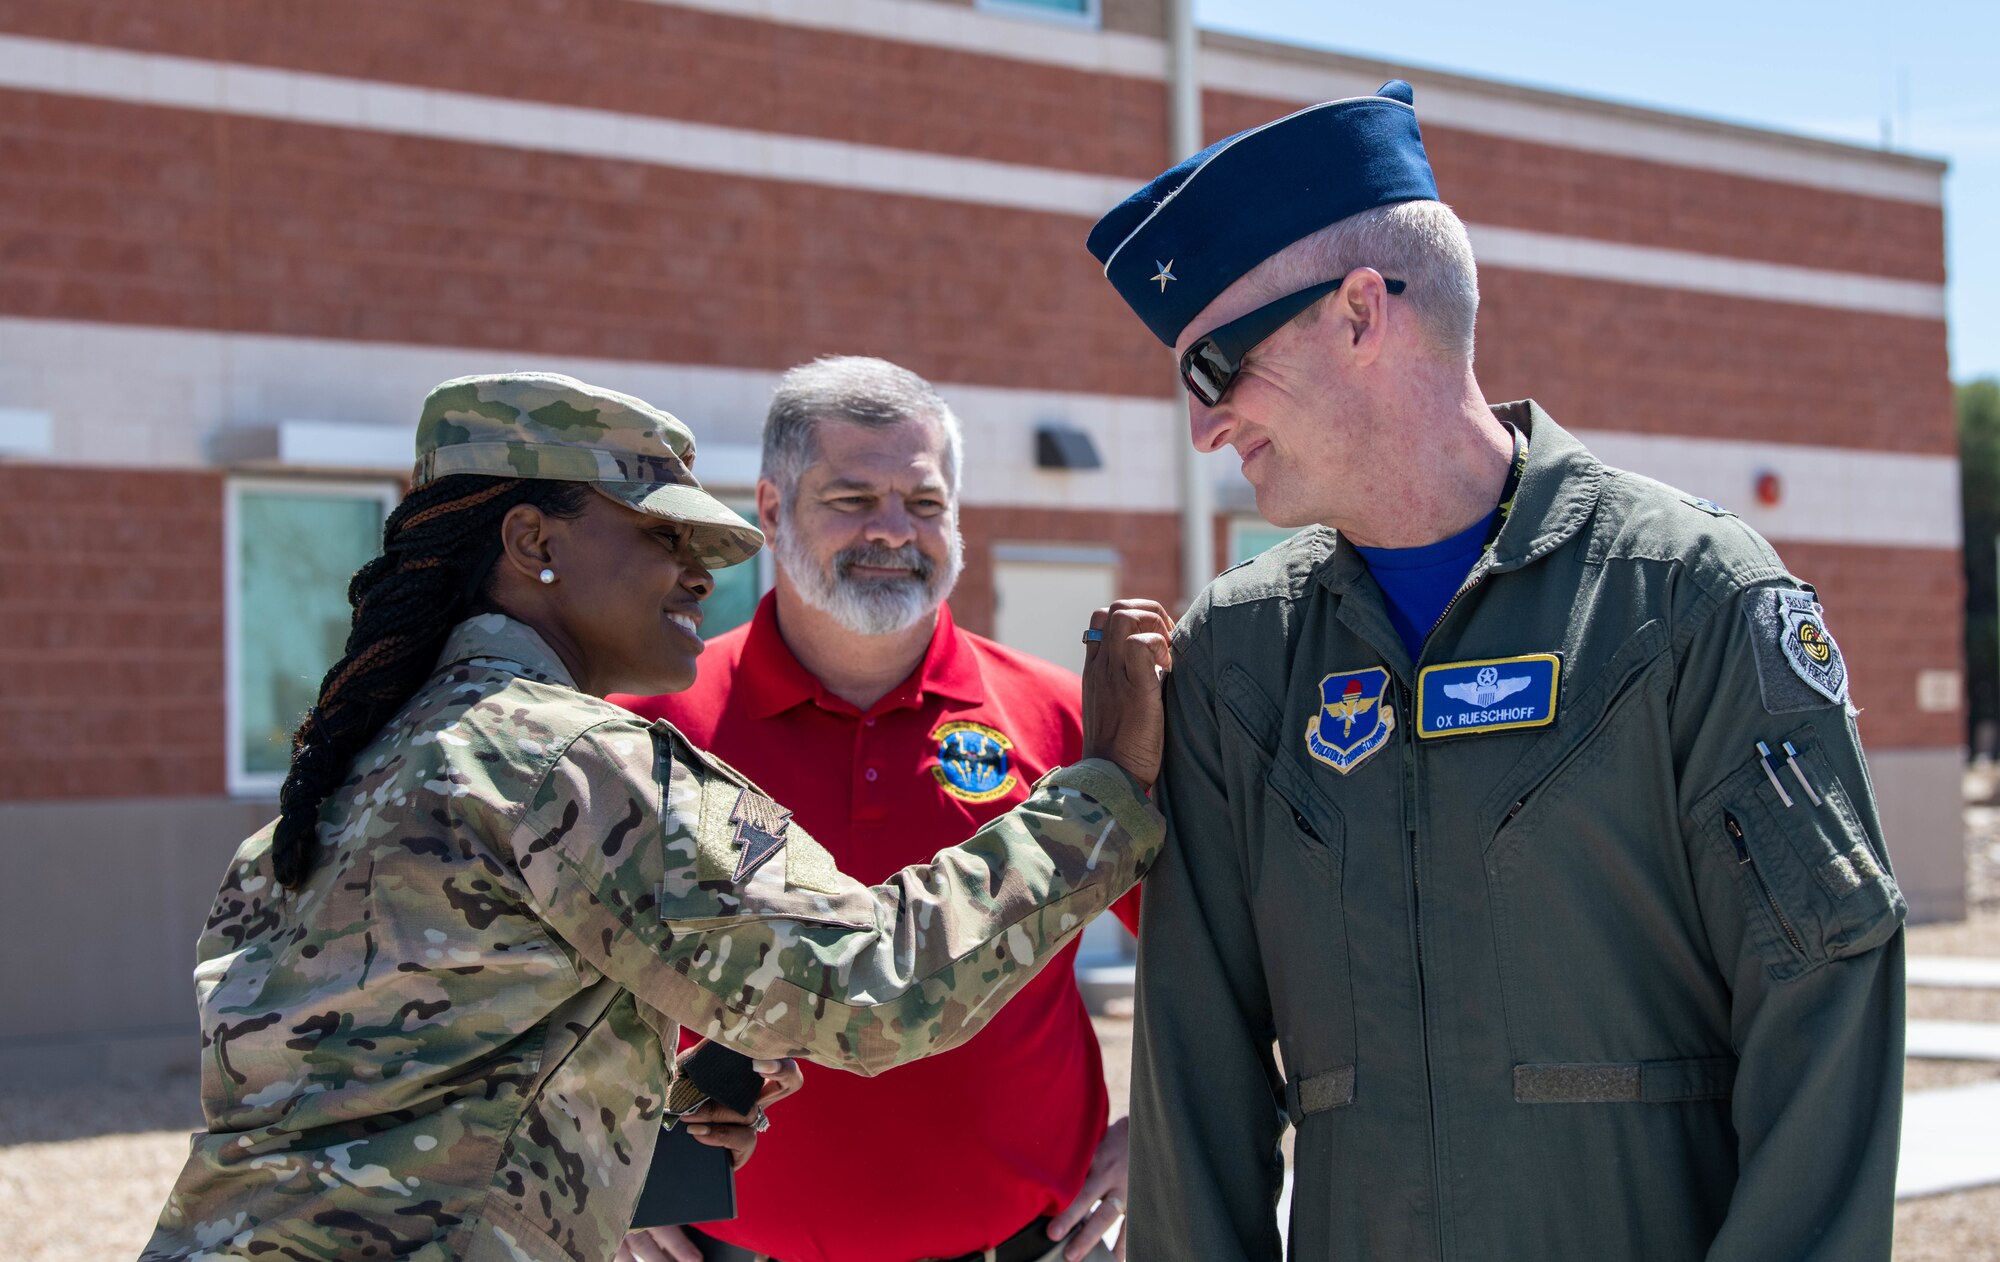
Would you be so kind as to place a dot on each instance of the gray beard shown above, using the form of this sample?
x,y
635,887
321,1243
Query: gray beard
x,y
871,606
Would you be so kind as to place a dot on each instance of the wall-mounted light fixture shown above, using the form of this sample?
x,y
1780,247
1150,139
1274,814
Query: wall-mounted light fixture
x,y
1063,446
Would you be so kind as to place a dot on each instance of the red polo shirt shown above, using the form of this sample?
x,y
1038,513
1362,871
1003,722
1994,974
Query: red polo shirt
x,y
959,1151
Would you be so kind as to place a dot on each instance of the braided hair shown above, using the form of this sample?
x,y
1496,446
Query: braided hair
x,y
438,549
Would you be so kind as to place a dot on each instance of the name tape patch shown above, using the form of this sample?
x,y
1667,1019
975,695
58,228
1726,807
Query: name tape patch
x,y
1497,694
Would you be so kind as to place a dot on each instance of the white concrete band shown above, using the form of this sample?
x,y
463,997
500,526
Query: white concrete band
x,y
1703,273
189,83
175,389
1020,36
1827,494
295,96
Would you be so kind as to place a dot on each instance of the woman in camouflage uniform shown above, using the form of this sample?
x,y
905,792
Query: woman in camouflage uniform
x,y
435,992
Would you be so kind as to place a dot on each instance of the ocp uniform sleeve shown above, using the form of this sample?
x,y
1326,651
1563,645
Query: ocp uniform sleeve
x,y
1803,917
631,851
1206,1169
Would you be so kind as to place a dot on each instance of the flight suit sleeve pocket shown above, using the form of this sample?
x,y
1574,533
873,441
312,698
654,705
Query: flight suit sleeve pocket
x,y
1810,880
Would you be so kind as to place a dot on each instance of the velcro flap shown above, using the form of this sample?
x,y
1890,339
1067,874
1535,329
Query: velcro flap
x,y
1629,1082
1317,1093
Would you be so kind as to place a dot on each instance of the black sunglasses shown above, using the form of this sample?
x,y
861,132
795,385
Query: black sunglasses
x,y
1209,367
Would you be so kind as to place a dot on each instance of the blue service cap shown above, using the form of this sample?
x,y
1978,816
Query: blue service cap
x,y
1171,247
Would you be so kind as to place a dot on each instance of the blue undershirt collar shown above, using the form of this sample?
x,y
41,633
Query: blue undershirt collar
x,y
1417,583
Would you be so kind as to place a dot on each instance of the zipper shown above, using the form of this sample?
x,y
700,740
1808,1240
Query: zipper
x,y
1479,571
1410,797
1735,831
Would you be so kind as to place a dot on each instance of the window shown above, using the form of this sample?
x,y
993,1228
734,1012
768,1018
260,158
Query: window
x,y
1249,536
738,588
291,547
1077,12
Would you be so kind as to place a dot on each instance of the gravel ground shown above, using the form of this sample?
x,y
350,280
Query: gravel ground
x,y
83,1173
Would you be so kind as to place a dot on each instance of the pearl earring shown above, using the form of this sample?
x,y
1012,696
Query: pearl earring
x,y
548,575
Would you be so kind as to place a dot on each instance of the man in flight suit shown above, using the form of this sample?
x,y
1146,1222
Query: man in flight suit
x,y
1517,798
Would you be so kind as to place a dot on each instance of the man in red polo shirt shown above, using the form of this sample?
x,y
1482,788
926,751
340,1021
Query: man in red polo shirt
x,y
889,731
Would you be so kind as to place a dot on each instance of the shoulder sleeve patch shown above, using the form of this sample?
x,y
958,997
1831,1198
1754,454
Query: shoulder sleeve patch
x,y
1799,667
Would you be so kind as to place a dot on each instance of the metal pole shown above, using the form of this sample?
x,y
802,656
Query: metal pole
x,y
1197,495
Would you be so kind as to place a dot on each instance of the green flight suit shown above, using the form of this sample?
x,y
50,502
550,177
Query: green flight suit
x,y
1531,999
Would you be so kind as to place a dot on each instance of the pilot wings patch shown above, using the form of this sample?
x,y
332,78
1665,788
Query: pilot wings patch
x,y
1486,689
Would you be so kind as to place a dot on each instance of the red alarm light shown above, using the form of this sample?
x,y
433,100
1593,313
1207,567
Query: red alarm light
x,y
1770,488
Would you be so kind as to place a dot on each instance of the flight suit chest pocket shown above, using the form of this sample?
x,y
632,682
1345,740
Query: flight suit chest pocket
x,y
1277,798
1812,884
1584,737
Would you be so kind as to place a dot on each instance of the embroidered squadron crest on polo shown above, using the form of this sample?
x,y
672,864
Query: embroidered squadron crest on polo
x,y
975,762
1809,648
760,830
1354,718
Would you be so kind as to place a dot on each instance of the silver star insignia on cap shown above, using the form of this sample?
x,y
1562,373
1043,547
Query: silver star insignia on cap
x,y
1165,274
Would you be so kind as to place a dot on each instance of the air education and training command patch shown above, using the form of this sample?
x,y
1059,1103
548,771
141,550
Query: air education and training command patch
x,y
975,762
1498,694
760,830
1354,718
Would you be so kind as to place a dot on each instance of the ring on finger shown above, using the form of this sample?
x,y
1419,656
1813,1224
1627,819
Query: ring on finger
x,y
762,1122
1094,635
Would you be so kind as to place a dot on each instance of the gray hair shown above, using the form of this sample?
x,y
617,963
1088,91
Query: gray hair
x,y
1421,243
853,388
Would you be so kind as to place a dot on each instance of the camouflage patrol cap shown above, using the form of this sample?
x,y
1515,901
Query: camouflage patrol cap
x,y
544,425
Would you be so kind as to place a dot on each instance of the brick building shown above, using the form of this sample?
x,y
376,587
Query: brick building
x,y
239,239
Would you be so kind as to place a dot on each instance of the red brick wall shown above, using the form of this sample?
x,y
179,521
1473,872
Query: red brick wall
x,y
111,628
119,213
1670,361
345,234
635,57
1895,612
1514,183
111,636
642,58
